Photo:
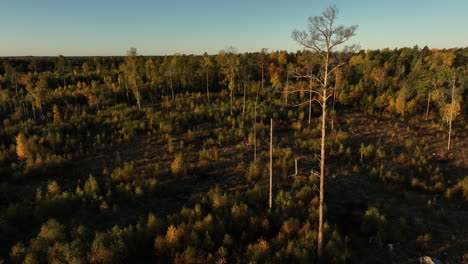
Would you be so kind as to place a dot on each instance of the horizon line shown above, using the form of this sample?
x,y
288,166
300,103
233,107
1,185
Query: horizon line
x,y
201,54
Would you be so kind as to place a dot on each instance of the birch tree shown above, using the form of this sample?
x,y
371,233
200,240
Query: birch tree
x,y
451,110
270,200
322,37
262,62
133,74
229,62
207,66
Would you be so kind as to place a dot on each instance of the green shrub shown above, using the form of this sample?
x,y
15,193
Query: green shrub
x,y
460,189
178,166
124,174
255,171
52,231
108,248
91,186
373,221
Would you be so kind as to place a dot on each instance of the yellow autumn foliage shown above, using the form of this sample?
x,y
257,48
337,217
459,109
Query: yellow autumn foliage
x,y
57,116
22,148
449,114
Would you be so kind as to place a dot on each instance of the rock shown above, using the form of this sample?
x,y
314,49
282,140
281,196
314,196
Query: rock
x,y
390,246
429,260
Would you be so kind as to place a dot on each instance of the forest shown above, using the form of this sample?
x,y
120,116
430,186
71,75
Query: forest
x,y
217,158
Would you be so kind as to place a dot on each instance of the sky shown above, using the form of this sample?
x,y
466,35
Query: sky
x,y
163,27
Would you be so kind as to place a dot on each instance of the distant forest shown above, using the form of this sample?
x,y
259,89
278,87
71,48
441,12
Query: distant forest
x,y
400,82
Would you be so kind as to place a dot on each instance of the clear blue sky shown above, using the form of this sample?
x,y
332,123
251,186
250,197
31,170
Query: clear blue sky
x,y
158,27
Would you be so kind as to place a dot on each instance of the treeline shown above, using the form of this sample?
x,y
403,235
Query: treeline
x,y
405,81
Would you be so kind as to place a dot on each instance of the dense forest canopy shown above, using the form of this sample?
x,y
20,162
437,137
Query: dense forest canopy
x,y
76,188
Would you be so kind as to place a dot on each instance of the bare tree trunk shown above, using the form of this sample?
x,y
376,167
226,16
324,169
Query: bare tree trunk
x,y
287,89
137,91
243,105
42,114
322,174
334,92
451,112
322,162
138,100
126,90
310,99
207,87
255,134
25,110
428,103
271,164
323,37
171,84
263,91
255,127
295,167
231,99
34,112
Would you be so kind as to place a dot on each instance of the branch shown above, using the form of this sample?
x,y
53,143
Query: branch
x,y
309,101
336,67
315,92
318,80
305,91
308,76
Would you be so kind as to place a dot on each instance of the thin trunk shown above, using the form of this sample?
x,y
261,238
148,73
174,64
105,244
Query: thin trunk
x,y
263,91
322,178
271,164
255,133
334,97
322,162
207,86
287,89
243,106
171,84
126,91
310,100
34,112
138,99
428,103
137,91
25,110
255,127
295,167
231,94
451,113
